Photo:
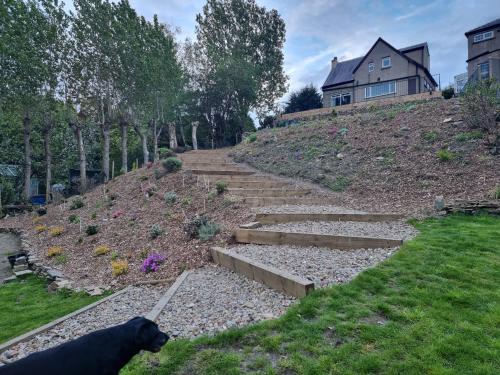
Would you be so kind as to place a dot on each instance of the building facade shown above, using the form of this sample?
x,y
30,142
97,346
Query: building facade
x,y
483,46
383,72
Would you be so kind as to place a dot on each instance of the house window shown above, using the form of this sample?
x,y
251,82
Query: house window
x,y
483,36
341,99
381,89
484,70
386,62
371,67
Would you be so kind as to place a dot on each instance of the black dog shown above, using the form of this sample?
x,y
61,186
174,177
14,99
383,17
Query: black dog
x,y
102,352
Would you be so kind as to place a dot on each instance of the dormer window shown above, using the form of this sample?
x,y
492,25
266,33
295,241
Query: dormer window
x,y
371,67
386,62
483,36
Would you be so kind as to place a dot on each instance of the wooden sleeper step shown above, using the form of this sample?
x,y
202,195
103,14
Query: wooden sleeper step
x,y
274,278
268,237
294,217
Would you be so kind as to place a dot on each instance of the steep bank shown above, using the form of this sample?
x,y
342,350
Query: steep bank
x,y
396,158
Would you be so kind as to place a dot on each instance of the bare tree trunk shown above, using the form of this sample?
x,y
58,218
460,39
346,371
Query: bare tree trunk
x,y
183,136
47,130
27,156
105,149
123,130
81,155
144,140
172,135
156,137
194,126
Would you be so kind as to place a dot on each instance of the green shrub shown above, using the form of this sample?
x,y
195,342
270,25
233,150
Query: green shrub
x,y
74,219
155,231
143,178
92,229
251,138
480,105
165,152
431,136
495,193
8,191
93,216
170,197
469,136
339,184
186,201
192,226
444,155
448,92
208,230
76,203
221,187
171,164
61,259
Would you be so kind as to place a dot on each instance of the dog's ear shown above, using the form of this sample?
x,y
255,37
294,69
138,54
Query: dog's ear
x,y
145,332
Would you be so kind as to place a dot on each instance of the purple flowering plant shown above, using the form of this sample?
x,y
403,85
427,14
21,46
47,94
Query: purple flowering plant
x,y
152,263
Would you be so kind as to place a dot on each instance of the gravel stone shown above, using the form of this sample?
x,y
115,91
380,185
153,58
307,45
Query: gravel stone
x,y
383,229
305,209
323,266
212,299
135,302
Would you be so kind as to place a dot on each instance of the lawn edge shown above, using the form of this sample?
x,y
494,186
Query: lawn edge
x,y
46,327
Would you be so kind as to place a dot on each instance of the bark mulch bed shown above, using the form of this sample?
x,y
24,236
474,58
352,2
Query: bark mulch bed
x,y
125,215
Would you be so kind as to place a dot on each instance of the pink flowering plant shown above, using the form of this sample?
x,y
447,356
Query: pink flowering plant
x,y
152,263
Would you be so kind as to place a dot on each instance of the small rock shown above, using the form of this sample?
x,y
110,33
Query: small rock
x,y
20,267
446,120
9,279
404,129
340,156
379,158
252,225
21,260
439,203
23,273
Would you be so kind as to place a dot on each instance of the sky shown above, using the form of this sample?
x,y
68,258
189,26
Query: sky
x,y
318,30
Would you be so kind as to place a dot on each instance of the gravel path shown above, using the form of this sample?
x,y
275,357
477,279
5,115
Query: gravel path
x,y
383,229
321,265
305,209
212,299
135,302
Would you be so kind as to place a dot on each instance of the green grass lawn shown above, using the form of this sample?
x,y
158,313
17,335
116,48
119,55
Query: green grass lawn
x,y
26,304
433,308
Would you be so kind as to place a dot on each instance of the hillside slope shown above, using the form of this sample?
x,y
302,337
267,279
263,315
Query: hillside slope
x,y
133,221
396,158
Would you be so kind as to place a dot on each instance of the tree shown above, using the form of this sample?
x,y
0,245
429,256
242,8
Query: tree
x,y
304,99
239,65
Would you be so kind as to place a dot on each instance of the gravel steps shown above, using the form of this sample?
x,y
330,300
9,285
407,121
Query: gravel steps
x,y
384,229
323,266
137,301
212,299
286,209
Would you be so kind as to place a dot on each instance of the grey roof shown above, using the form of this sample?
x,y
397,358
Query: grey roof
x,y
416,46
8,170
484,27
343,72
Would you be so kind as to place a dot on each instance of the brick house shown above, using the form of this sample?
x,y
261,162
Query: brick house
x,y
384,72
483,45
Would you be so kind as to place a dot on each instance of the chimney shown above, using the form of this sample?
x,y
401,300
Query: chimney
x,y
334,63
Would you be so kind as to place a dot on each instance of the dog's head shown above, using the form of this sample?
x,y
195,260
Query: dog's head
x,y
147,335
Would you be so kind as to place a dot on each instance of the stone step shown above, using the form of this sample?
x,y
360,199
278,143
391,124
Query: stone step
x,y
270,237
227,178
272,277
282,201
276,218
269,192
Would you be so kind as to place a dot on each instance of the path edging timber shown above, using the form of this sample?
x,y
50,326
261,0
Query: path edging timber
x,y
28,335
160,305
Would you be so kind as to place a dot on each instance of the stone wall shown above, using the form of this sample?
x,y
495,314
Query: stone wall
x,y
346,108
